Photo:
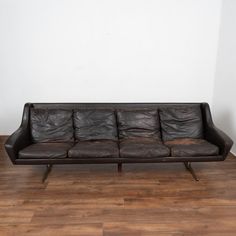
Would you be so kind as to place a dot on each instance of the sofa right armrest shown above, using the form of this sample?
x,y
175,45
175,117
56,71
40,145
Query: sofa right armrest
x,y
215,135
20,138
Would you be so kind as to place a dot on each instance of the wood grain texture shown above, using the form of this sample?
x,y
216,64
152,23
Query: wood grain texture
x,y
143,200
3,138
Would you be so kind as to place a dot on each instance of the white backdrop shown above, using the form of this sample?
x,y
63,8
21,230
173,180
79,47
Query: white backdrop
x,y
224,102
105,51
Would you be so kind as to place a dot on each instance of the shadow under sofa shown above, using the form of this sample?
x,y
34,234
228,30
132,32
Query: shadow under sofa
x,y
98,133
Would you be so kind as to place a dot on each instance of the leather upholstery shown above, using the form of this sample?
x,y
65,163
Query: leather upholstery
x,y
45,150
95,125
94,149
142,148
51,125
181,122
22,138
139,123
191,147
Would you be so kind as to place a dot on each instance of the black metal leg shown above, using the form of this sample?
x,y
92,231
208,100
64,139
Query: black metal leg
x,y
47,172
190,169
119,167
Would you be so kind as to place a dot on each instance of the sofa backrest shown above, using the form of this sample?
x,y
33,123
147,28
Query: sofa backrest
x,y
93,124
63,122
51,125
181,122
138,123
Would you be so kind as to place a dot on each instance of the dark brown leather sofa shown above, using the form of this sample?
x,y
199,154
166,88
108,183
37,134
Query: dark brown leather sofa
x,y
66,133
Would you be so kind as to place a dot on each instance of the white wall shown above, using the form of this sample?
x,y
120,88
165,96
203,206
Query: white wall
x,y
224,99
106,50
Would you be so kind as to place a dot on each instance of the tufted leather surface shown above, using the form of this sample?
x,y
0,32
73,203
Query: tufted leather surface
x,y
192,147
95,124
139,123
45,150
143,148
51,125
95,149
21,138
181,122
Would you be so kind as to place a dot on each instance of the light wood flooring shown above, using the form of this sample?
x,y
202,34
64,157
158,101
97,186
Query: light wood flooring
x,y
144,200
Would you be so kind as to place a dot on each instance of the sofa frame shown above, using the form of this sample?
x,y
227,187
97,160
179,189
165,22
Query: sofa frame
x,y
22,138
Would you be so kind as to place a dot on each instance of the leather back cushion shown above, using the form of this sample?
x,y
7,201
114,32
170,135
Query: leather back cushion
x,y
181,122
138,123
95,124
51,125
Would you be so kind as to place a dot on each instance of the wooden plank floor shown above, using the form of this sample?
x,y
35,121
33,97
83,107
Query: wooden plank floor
x,y
145,200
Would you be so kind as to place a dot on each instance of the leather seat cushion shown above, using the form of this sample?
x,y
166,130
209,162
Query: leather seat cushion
x,y
143,148
95,125
181,122
138,123
94,149
46,150
51,125
192,147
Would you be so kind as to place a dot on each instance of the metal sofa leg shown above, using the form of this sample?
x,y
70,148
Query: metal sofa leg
x,y
190,169
119,167
47,172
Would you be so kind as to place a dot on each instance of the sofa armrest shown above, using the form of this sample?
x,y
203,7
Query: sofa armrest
x,y
215,135
20,138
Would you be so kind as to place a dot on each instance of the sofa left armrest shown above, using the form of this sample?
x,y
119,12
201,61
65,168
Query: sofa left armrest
x,y
20,138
